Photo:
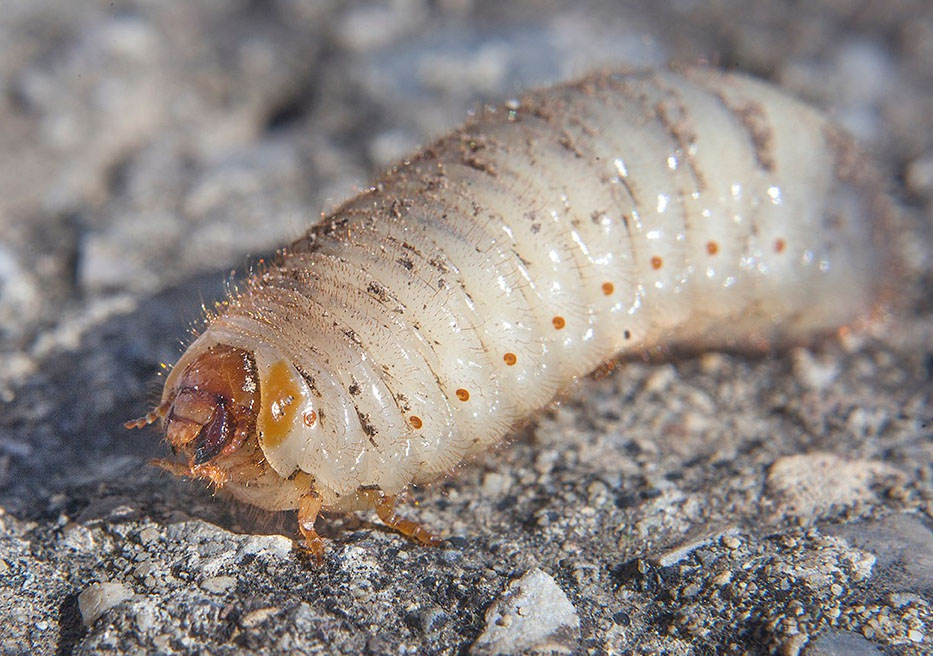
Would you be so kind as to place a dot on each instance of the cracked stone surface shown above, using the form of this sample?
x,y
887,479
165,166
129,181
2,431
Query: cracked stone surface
x,y
693,504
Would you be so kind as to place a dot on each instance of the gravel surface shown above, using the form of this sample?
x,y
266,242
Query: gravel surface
x,y
684,504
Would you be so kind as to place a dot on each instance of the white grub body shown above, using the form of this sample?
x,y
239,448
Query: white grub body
x,y
625,211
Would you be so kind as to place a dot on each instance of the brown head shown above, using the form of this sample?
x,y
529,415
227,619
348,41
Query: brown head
x,y
209,409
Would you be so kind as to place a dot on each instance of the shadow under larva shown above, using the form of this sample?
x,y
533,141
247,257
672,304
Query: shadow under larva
x,y
425,318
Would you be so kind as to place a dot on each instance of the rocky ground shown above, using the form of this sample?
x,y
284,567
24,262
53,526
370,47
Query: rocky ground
x,y
708,504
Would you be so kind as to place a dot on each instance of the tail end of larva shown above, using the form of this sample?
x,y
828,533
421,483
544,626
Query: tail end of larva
x,y
872,262
889,239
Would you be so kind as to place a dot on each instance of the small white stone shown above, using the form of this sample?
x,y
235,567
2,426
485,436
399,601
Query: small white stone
x,y
278,546
98,598
78,537
258,616
495,484
721,579
533,614
146,617
812,373
660,379
148,534
919,176
731,542
218,584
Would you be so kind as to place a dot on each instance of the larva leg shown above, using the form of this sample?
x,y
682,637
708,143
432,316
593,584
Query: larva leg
x,y
385,508
308,509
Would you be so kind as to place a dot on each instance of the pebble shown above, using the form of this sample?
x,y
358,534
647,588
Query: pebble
x,y
919,175
721,579
680,552
258,616
841,643
660,379
532,614
794,644
808,484
218,584
811,373
145,618
731,542
78,537
98,598
148,534
496,484
277,546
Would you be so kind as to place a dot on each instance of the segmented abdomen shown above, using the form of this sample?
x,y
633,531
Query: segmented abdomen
x,y
457,296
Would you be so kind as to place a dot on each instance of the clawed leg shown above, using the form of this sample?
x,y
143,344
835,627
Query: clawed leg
x,y
308,509
385,508
310,506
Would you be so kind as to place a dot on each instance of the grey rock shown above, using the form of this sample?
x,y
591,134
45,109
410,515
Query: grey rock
x,y
903,545
841,643
532,615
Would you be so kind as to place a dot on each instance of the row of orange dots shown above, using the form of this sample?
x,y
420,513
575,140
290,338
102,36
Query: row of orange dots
x,y
462,394
560,323
712,248
511,359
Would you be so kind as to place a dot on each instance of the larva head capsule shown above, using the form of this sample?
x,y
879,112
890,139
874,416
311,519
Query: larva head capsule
x,y
212,404
236,415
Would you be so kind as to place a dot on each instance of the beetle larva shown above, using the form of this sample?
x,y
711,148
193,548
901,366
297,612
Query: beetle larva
x,y
425,317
